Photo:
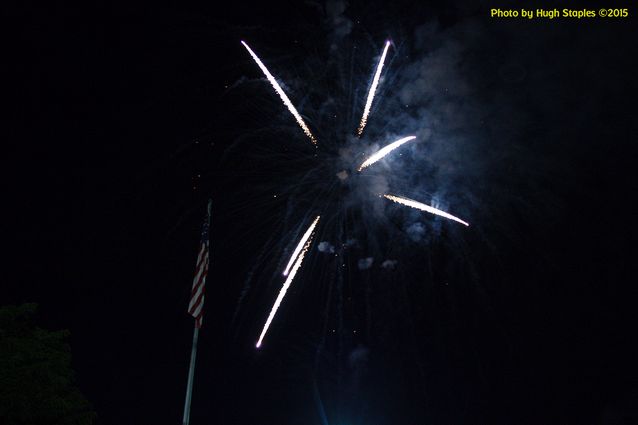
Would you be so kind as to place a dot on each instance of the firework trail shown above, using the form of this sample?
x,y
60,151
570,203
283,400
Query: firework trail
x,y
281,94
423,207
373,89
284,288
384,151
300,245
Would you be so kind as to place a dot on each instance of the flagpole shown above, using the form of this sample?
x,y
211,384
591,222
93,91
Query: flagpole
x,y
198,324
191,375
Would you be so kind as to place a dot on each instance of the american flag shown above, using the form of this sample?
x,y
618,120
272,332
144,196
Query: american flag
x,y
196,304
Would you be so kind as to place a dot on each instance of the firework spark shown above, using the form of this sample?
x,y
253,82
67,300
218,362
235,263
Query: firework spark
x,y
384,151
373,89
423,207
281,94
284,288
300,245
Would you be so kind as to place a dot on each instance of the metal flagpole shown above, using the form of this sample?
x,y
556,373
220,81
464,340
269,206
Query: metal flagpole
x,y
191,374
198,323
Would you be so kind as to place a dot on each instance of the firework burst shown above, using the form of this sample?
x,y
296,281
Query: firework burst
x,y
305,241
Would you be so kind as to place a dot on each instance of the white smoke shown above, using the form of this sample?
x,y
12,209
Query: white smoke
x,y
389,264
326,247
365,263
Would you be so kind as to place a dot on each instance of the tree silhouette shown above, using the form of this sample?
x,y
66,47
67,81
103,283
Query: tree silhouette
x,y
36,378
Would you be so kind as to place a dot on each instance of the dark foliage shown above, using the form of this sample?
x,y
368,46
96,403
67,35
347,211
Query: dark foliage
x,y
35,373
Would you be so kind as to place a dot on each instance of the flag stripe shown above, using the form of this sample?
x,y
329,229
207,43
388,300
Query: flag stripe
x,y
202,250
195,298
197,311
198,298
198,281
196,302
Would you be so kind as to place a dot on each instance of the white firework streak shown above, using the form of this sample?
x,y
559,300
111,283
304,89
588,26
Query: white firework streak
x,y
300,245
373,89
282,292
281,94
384,151
423,207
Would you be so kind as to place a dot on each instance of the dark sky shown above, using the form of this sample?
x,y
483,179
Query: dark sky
x,y
126,125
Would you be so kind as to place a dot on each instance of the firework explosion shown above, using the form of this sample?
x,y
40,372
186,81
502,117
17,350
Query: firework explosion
x,y
303,245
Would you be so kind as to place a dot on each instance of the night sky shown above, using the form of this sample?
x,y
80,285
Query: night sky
x,y
128,118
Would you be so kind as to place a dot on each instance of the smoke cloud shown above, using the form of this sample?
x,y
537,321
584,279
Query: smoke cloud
x,y
365,263
326,247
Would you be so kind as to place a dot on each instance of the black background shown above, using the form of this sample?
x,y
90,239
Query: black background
x,y
117,110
